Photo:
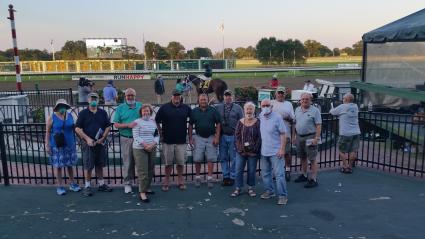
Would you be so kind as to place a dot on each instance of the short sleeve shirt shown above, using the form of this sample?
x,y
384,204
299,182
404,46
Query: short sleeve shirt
x,y
306,121
173,120
348,119
284,109
271,128
205,121
125,115
91,122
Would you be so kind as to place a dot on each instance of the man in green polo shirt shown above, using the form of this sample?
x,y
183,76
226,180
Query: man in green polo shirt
x,y
125,115
207,123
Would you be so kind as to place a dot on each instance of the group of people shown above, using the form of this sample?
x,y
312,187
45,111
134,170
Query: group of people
x,y
227,132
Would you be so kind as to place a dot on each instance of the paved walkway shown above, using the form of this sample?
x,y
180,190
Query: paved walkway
x,y
366,204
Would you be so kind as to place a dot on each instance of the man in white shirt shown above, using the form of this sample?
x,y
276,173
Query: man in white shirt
x,y
286,111
308,86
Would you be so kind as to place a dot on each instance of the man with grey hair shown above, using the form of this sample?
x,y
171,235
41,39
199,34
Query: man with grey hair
x,y
273,142
124,117
308,125
349,131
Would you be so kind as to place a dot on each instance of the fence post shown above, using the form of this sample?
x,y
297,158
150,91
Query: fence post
x,y
71,97
3,157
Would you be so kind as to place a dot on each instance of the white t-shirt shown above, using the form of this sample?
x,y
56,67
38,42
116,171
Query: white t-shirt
x,y
309,87
348,115
286,110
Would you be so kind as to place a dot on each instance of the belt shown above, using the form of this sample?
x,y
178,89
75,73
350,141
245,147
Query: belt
x,y
129,137
305,135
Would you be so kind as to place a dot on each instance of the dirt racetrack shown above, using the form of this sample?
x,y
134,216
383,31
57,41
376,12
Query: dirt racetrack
x,y
145,92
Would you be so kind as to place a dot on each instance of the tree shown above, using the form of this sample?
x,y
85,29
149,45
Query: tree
x,y
229,53
264,49
313,48
199,52
155,51
297,48
347,50
336,52
325,51
74,50
357,48
175,50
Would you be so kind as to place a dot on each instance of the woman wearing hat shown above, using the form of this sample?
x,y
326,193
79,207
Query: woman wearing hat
x,y
60,144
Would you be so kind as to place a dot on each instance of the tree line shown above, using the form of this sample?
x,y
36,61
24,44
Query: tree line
x,y
268,51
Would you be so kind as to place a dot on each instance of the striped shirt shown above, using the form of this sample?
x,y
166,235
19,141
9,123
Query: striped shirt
x,y
144,132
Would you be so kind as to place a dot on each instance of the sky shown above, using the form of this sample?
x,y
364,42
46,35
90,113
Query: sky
x,y
196,23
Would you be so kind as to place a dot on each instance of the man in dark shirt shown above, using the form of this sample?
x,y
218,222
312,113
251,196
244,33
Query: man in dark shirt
x,y
207,123
93,127
172,125
231,113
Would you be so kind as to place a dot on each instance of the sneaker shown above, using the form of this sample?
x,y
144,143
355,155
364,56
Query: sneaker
x,y
282,200
210,183
104,188
311,184
197,182
60,191
301,179
74,187
267,195
288,176
128,189
87,192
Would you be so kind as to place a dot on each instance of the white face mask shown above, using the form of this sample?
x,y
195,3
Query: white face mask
x,y
131,102
266,110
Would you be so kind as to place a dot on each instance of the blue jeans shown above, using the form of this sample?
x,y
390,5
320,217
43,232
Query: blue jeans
x,y
241,161
274,165
227,156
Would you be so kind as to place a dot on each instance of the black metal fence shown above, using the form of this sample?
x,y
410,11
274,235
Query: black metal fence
x,y
389,142
42,97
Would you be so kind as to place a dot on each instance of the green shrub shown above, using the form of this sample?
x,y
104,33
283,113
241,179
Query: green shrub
x,y
248,93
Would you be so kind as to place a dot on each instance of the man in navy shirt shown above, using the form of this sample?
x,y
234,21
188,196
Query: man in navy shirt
x,y
93,127
172,125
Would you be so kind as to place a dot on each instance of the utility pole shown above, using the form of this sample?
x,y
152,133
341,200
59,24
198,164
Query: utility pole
x,y
144,52
222,35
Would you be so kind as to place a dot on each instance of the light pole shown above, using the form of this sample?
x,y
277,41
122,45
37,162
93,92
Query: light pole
x,y
283,57
53,50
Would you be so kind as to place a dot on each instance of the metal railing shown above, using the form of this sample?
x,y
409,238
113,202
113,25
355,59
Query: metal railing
x,y
42,97
389,142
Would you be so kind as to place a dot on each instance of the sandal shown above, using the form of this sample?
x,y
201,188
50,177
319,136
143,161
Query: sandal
x,y
165,188
236,193
252,193
182,187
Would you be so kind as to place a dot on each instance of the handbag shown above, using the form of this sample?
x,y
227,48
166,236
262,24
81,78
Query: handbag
x,y
60,137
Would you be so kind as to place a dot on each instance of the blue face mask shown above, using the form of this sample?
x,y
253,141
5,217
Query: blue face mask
x,y
93,103
266,110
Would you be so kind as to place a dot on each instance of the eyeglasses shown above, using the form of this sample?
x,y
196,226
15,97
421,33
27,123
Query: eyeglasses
x,y
129,95
264,106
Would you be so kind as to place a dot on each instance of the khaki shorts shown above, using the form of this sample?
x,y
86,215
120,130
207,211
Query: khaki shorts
x,y
304,151
204,147
348,144
173,151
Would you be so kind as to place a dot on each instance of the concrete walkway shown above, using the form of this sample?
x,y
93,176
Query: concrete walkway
x,y
366,204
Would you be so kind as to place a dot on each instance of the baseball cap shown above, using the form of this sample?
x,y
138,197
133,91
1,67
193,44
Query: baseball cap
x,y
281,89
176,92
228,92
93,95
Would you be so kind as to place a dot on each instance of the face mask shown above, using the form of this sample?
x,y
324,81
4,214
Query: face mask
x,y
93,103
62,111
131,102
266,110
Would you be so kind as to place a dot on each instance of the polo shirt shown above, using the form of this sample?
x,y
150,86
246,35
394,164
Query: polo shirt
x,y
125,115
348,119
91,122
306,121
173,120
205,121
